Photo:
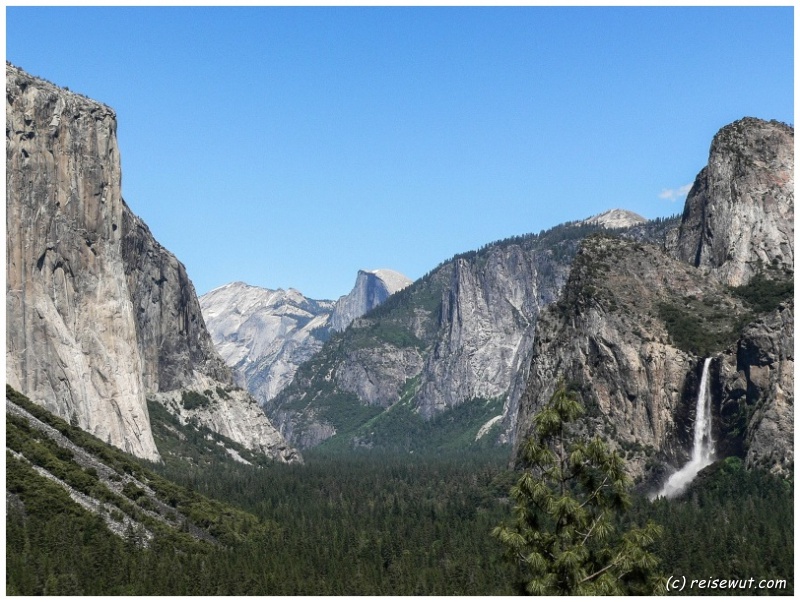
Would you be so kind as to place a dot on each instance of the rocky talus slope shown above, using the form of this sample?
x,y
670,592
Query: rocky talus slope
x,y
100,316
635,321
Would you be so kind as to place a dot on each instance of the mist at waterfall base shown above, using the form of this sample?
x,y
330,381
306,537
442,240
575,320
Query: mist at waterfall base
x,y
703,446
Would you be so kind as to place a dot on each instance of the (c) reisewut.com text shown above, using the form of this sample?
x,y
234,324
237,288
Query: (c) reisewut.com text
x,y
682,583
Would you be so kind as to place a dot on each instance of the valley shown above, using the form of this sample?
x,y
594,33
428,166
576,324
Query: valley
x,y
341,524
260,442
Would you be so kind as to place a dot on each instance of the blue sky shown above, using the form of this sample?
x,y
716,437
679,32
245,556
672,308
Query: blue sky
x,y
290,147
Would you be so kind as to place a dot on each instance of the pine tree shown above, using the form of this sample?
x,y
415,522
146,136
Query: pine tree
x,y
569,500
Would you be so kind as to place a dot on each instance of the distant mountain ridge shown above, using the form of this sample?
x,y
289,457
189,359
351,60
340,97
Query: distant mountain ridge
x,y
465,343
265,334
458,339
616,218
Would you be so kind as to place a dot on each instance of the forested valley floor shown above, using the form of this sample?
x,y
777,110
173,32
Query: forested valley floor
x,y
360,524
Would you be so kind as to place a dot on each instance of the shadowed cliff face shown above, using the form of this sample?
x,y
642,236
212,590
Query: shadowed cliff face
x,y
372,288
173,340
756,392
99,315
635,322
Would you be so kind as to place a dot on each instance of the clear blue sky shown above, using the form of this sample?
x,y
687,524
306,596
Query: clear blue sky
x,y
289,147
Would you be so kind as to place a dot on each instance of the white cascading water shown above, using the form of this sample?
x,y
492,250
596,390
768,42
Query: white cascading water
x,y
703,448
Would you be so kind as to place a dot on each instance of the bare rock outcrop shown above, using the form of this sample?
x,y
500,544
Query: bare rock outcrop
x,y
171,334
71,330
756,387
486,319
264,334
372,288
608,339
99,315
616,218
634,322
739,215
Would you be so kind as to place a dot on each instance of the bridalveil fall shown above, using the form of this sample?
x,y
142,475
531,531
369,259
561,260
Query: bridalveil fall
x,y
703,447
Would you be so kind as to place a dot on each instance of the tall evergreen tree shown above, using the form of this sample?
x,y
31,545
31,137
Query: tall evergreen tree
x,y
569,501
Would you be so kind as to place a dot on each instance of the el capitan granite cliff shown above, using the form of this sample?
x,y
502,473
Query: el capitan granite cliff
x,y
100,317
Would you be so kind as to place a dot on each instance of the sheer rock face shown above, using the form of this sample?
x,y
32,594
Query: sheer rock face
x,y
372,288
99,315
756,384
608,338
378,378
739,215
172,336
71,340
486,319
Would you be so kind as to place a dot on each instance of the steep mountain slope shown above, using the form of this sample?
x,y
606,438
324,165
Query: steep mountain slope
x,y
739,215
372,288
264,335
80,511
607,337
100,316
64,273
87,470
461,334
635,321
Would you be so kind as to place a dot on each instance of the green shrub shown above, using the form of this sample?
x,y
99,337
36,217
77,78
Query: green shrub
x,y
765,294
132,491
192,400
696,332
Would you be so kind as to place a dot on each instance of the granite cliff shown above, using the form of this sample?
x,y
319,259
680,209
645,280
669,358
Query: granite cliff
x,y
457,340
100,317
372,288
264,335
739,215
635,321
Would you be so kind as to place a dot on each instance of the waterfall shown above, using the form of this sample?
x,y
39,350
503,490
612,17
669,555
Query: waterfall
x,y
703,446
